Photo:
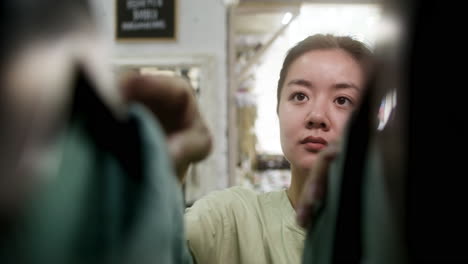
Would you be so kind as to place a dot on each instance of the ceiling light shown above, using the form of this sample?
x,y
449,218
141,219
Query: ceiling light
x,y
286,18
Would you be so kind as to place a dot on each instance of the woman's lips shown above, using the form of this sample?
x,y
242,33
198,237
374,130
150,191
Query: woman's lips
x,y
314,147
314,144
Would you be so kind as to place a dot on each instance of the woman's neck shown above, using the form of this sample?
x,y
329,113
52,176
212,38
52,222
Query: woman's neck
x,y
298,178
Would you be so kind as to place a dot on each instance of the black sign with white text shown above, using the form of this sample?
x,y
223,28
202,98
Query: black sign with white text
x,y
146,19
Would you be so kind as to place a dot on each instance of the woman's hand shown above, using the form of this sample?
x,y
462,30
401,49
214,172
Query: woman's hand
x,y
315,187
172,101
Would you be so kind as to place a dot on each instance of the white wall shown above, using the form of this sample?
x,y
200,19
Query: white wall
x,y
201,41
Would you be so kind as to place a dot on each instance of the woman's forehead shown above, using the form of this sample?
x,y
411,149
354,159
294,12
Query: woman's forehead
x,y
324,66
333,58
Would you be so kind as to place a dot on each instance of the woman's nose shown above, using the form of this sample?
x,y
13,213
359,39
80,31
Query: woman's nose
x,y
317,118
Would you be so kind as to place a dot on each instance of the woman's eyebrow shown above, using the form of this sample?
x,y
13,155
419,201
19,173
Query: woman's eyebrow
x,y
340,85
347,85
300,82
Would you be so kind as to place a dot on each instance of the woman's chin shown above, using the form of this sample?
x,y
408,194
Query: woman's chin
x,y
305,163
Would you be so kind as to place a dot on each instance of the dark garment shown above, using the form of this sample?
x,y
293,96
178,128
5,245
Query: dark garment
x,y
398,194
114,198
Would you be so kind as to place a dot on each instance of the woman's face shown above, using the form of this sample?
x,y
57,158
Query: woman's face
x,y
321,89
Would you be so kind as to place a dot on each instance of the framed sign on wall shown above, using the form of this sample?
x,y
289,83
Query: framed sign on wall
x,y
138,20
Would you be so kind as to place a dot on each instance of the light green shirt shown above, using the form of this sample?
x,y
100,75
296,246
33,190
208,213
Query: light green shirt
x,y
238,225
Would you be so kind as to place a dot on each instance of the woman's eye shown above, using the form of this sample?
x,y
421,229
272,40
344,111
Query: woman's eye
x,y
343,101
299,97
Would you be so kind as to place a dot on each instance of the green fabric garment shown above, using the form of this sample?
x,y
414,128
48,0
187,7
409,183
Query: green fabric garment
x,y
381,228
114,198
405,200
362,217
319,240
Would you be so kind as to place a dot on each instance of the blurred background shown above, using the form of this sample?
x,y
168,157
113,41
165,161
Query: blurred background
x,y
231,51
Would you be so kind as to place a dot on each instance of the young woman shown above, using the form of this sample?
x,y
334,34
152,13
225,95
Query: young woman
x,y
320,85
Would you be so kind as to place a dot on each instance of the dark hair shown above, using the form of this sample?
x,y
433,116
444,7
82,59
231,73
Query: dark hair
x,y
358,50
